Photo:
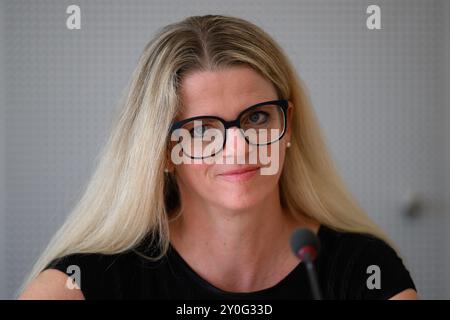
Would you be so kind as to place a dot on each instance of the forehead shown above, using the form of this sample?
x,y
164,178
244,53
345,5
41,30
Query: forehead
x,y
224,92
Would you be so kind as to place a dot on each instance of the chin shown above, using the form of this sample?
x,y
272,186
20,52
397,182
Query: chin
x,y
238,206
238,201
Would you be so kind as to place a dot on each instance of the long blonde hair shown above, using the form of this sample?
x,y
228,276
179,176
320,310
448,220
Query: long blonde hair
x,y
130,197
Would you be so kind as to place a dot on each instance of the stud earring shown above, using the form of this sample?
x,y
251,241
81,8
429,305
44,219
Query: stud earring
x,y
288,145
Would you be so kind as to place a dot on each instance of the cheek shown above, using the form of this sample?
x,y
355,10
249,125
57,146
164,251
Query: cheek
x,y
272,160
193,176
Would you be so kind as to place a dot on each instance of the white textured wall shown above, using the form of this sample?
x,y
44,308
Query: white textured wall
x,y
2,159
446,87
378,96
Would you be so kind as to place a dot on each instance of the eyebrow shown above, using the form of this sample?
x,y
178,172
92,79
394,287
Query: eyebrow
x,y
234,117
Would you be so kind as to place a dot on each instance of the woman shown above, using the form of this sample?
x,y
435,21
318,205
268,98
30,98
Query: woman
x,y
152,226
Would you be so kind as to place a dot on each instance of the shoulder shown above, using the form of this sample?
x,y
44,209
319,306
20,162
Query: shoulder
x,y
352,244
87,272
51,284
89,262
62,275
104,276
362,266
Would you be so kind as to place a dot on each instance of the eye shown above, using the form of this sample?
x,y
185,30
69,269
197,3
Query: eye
x,y
258,117
198,131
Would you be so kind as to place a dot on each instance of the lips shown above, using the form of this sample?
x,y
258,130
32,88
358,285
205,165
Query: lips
x,y
239,171
239,174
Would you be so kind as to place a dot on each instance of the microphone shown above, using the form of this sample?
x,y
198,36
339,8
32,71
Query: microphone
x,y
305,245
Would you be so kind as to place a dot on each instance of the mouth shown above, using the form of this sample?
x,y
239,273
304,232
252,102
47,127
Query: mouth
x,y
240,174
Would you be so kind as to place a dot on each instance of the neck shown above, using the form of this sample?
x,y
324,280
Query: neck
x,y
245,243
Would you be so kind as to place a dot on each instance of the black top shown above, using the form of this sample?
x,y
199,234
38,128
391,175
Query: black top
x,y
342,268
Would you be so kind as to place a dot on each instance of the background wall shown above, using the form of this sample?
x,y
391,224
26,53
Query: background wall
x,y
2,159
446,94
380,96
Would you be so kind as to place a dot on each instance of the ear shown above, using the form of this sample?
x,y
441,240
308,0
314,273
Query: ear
x,y
168,162
290,113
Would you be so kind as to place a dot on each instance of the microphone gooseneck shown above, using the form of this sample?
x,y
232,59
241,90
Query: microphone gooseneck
x,y
305,246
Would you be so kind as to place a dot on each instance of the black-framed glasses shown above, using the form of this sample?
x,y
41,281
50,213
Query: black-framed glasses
x,y
204,136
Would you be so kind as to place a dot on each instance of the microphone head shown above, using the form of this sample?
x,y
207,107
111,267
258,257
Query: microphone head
x,y
305,244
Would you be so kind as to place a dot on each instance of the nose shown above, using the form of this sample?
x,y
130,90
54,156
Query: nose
x,y
235,145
